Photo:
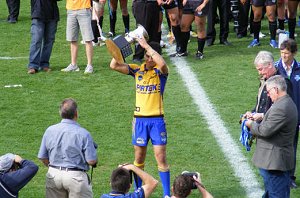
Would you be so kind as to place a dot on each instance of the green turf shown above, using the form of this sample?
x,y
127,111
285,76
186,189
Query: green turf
x,y
106,103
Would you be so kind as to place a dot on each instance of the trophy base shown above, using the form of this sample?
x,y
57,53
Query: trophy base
x,y
114,50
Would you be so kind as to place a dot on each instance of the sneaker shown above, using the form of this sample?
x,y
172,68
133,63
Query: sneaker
x,y
199,55
179,54
261,35
162,44
193,34
46,69
273,44
110,34
95,44
70,68
89,69
254,43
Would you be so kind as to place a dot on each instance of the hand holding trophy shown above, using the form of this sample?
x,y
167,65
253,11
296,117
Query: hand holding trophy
x,y
119,47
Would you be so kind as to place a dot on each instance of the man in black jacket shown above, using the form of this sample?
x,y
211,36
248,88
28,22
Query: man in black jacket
x,y
44,15
15,173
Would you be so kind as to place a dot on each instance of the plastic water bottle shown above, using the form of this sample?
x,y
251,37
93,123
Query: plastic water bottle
x,y
12,86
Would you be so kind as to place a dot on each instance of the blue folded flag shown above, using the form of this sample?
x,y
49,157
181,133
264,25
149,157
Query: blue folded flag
x,y
245,136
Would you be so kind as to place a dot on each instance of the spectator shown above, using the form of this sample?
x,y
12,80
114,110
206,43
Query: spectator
x,y
121,182
264,63
79,16
13,10
193,11
113,16
68,150
224,8
44,19
274,153
15,173
146,13
148,123
257,7
289,68
183,185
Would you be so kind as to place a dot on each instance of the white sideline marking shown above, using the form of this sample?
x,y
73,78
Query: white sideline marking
x,y
229,147
10,58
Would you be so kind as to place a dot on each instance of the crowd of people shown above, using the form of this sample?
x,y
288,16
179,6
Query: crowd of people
x,y
68,150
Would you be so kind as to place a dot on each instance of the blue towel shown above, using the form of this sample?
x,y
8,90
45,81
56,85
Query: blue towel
x,y
246,136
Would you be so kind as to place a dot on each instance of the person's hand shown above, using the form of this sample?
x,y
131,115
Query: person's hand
x,y
18,159
143,43
126,166
243,1
197,182
184,2
258,116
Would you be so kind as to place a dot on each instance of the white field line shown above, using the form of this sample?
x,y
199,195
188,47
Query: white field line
x,y
11,58
229,147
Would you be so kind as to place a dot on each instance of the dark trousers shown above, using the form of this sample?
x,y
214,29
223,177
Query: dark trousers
x,y
13,9
224,7
146,13
243,17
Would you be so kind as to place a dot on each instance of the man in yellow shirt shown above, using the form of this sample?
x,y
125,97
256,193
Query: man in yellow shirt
x,y
79,17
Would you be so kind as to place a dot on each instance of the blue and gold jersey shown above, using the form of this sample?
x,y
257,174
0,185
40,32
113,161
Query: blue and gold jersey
x,y
150,85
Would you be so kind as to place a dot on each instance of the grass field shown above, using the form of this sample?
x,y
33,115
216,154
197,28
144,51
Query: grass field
x,y
106,103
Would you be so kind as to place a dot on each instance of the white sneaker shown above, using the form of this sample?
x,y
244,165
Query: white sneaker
x,y
89,69
70,68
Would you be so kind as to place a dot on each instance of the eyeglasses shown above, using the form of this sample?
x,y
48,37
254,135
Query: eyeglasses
x,y
268,91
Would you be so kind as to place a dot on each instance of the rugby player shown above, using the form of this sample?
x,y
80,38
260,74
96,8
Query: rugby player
x,y
148,122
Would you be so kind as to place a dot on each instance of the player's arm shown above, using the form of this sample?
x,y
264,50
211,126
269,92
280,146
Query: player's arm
x,y
120,67
150,182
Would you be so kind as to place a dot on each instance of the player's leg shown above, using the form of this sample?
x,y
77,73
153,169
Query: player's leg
x,y
125,14
163,167
256,24
271,14
186,21
113,17
139,161
292,7
201,33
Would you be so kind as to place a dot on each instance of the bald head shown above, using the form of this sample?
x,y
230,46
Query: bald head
x,y
68,109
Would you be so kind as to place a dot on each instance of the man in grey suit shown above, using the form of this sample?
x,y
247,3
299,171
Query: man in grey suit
x,y
274,155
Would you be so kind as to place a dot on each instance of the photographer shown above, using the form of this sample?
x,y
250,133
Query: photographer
x,y
184,183
121,182
15,173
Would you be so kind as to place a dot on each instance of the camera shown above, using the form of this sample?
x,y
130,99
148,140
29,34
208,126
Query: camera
x,y
191,175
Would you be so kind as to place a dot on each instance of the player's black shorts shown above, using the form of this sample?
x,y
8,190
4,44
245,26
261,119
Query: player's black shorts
x,y
171,5
179,2
191,5
260,3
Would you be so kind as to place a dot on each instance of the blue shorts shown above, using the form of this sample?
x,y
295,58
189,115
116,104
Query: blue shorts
x,y
153,128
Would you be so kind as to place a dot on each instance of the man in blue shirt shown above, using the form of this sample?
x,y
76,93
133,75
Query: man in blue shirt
x,y
121,182
68,150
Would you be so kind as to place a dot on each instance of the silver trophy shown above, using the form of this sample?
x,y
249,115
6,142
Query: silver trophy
x,y
120,47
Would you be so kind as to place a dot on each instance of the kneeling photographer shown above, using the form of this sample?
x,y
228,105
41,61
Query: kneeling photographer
x,y
15,173
185,183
